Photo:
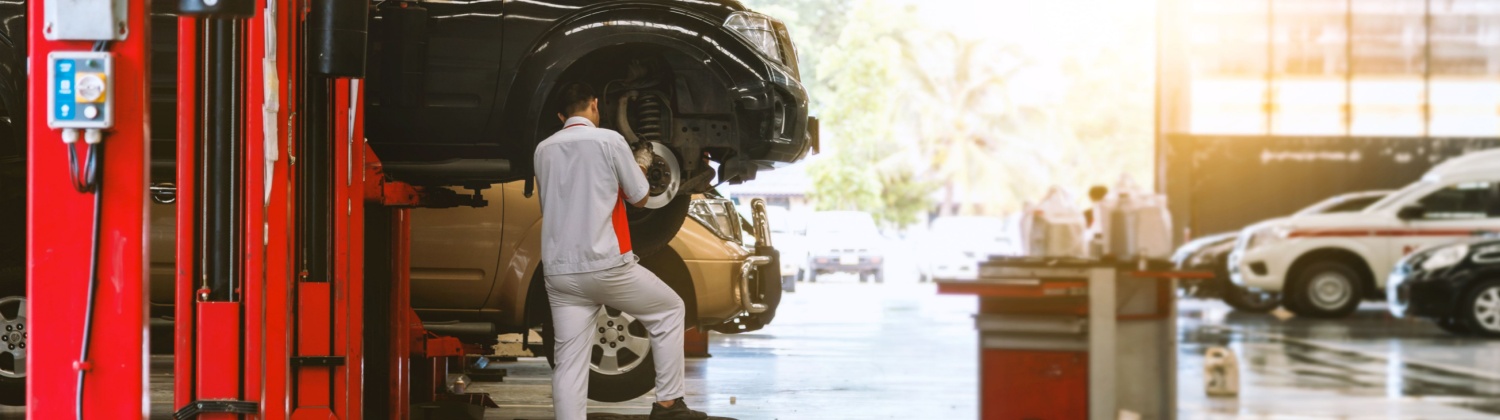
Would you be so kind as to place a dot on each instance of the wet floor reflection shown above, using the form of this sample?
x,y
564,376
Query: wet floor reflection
x,y
1368,365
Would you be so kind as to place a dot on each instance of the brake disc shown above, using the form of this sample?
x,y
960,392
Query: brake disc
x,y
664,176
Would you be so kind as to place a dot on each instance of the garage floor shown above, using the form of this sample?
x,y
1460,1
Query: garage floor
x,y
842,350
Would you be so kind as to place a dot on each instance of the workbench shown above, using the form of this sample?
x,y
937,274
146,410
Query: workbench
x,y
1075,338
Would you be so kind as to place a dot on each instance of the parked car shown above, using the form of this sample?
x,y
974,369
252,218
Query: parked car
x,y
1457,286
953,246
480,267
1211,253
845,242
1325,264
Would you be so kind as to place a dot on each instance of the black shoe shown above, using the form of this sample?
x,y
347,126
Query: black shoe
x,y
679,411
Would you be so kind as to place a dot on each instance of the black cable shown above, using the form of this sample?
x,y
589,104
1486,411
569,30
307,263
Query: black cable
x,y
87,179
93,183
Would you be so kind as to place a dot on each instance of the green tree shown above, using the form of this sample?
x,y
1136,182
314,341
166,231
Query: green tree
x,y
973,139
862,167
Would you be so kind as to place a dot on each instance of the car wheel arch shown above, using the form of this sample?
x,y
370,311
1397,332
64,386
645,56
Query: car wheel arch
x,y
539,77
1338,254
515,289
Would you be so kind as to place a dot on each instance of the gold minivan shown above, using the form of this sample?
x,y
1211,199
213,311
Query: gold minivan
x,y
476,273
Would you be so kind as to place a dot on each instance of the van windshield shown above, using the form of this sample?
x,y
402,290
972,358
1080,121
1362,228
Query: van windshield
x,y
1400,196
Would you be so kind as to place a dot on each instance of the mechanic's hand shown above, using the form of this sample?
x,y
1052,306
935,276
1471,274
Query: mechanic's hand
x,y
644,157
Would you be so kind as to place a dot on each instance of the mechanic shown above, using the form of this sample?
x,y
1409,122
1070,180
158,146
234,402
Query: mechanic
x,y
585,176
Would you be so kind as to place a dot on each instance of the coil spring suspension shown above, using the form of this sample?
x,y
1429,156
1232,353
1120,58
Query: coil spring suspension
x,y
651,117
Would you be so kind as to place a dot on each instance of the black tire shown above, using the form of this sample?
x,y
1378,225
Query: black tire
x,y
879,276
652,229
628,384
1481,309
1325,289
812,276
1453,326
1243,300
864,277
612,388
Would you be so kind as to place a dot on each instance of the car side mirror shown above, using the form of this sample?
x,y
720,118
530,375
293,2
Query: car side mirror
x,y
1411,212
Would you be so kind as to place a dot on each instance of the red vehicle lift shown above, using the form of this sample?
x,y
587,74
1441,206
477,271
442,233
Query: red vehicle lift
x,y
292,277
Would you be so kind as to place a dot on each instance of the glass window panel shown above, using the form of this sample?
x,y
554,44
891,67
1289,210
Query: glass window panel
x,y
1225,105
1311,59
1388,64
1470,200
1386,106
1465,107
1465,86
1308,106
1389,36
1227,41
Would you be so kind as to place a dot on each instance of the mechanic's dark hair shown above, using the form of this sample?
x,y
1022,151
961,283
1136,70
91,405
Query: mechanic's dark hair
x,y
1098,192
574,98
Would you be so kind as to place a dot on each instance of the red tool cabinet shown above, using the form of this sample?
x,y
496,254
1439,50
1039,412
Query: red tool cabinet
x,y
1074,339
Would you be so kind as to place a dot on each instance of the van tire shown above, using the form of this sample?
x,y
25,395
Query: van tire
x,y
652,229
1325,289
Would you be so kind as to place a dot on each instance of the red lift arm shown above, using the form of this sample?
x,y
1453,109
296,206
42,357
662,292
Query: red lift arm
x,y
274,251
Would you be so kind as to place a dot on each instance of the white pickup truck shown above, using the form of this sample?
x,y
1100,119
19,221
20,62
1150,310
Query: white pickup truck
x,y
1325,264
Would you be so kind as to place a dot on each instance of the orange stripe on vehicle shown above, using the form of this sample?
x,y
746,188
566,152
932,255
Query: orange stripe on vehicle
x,y
621,225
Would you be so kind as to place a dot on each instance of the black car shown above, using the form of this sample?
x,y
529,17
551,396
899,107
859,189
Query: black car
x,y
1211,253
461,92
1457,286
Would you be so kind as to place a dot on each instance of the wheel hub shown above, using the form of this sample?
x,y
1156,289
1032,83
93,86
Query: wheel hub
x,y
664,176
620,343
1487,308
1330,291
13,337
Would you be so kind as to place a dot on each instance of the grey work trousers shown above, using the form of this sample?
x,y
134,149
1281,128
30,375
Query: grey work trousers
x,y
576,303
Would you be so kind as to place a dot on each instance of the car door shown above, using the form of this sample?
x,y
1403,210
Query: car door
x,y
1454,212
454,255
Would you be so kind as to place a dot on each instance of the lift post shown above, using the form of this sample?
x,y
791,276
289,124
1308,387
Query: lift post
x,y
61,238
313,223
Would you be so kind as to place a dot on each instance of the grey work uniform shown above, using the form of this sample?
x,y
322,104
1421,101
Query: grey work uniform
x,y
585,175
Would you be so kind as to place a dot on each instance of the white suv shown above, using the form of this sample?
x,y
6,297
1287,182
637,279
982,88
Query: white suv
x,y
1325,264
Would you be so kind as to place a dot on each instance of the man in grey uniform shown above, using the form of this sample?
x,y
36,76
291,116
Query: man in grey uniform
x,y
585,176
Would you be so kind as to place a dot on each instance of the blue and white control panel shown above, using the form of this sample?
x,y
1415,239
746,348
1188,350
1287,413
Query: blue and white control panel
x,y
79,90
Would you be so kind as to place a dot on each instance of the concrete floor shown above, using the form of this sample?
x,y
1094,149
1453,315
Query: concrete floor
x,y
842,350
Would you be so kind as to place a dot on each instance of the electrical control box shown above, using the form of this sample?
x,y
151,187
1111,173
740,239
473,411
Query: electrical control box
x,y
80,90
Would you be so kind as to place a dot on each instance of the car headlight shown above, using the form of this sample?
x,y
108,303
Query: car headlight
x,y
1445,257
719,216
758,29
1267,236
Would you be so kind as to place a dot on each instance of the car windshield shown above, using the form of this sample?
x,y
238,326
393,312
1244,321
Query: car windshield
x,y
1347,203
1401,196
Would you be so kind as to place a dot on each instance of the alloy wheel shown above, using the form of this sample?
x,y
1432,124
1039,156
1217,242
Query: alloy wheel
x,y
13,337
620,344
1330,290
1487,308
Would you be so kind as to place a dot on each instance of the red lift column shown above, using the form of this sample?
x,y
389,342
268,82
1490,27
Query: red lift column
x,y
62,218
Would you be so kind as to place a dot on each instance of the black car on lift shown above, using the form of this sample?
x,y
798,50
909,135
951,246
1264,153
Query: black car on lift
x,y
458,93
1457,286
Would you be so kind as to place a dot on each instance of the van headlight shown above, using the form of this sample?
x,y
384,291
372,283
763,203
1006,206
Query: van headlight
x,y
1445,257
1267,236
759,29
